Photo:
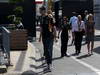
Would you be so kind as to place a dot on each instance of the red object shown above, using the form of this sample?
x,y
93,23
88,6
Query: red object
x,y
39,2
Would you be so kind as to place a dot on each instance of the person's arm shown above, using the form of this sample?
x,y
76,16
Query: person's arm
x,y
70,21
84,26
59,33
55,33
60,29
40,34
40,37
94,28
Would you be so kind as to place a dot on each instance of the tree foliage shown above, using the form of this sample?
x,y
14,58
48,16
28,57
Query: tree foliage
x,y
18,10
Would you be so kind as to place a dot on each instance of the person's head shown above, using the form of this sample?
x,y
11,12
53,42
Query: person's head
x,y
91,17
49,12
42,10
85,12
79,17
74,13
64,17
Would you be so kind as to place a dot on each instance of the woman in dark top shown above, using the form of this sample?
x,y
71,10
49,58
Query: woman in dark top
x,y
90,33
64,36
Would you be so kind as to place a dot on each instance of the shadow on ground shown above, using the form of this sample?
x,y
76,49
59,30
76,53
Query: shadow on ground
x,y
83,56
97,50
29,73
56,58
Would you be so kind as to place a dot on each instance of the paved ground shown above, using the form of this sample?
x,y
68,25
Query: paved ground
x,y
29,62
74,65
23,62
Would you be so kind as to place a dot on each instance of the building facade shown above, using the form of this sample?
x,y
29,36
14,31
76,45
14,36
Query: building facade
x,y
5,10
4,0
97,13
79,6
93,6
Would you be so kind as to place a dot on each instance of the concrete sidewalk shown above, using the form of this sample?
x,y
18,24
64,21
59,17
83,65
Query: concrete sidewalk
x,y
24,62
97,33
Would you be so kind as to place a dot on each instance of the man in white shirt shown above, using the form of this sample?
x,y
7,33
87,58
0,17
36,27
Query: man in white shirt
x,y
78,29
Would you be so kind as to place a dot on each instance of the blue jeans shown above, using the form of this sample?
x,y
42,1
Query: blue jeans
x,y
48,48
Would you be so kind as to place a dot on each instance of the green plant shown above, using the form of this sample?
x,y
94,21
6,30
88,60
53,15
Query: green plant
x,y
18,10
11,18
17,21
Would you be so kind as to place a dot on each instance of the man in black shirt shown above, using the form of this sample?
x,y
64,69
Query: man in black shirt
x,y
47,34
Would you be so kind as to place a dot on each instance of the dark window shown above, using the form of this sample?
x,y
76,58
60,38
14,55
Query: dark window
x,y
79,6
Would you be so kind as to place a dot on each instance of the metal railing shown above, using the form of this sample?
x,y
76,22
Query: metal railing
x,y
6,42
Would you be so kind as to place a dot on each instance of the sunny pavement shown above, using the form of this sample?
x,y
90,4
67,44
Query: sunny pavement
x,y
29,61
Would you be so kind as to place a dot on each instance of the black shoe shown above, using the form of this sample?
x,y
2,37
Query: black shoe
x,y
66,55
49,66
62,56
43,58
47,69
76,54
76,51
79,52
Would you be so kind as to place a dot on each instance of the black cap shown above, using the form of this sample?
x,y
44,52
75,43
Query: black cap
x,y
74,13
42,8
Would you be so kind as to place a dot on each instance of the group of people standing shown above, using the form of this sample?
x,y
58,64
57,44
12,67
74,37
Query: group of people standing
x,y
76,25
83,27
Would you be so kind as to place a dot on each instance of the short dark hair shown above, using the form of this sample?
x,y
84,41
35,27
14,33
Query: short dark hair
x,y
85,11
42,8
74,13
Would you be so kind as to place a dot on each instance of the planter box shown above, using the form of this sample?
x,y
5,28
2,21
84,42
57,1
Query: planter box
x,y
18,39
